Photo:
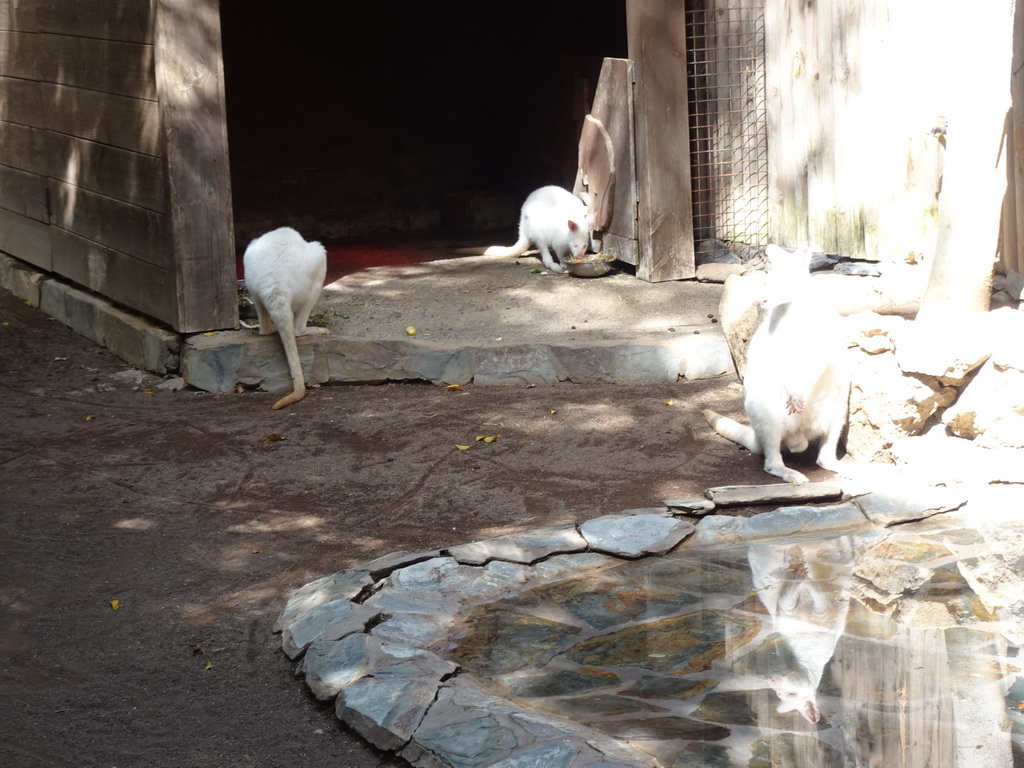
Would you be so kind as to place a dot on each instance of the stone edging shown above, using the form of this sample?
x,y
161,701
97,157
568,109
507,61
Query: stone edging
x,y
368,636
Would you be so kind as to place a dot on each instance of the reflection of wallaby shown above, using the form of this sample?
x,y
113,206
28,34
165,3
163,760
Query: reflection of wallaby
x,y
805,589
284,275
797,383
555,221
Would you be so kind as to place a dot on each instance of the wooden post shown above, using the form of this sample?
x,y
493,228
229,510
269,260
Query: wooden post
x,y
657,46
190,88
613,106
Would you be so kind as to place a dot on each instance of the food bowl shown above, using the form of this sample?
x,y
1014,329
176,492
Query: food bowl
x,y
591,265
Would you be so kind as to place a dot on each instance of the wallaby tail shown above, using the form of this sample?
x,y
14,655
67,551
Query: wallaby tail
x,y
733,430
521,246
286,330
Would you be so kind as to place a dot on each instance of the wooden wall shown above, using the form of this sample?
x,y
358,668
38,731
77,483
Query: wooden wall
x,y
104,178
854,89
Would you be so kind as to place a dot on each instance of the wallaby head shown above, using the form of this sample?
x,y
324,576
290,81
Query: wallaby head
x,y
797,695
578,241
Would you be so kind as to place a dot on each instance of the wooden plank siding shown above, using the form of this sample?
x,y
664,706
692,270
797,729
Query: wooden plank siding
x,y
854,88
127,68
85,188
128,21
656,31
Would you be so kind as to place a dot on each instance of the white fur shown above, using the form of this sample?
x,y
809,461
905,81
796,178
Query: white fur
x,y
797,383
556,222
284,275
806,589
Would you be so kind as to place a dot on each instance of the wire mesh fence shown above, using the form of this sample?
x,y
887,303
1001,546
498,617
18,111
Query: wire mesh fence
x,y
728,124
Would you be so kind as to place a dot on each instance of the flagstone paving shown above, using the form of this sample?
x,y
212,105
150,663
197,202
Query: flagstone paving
x,y
878,630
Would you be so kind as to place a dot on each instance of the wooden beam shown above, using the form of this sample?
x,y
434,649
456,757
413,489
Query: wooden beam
x,y
656,32
118,276
613,106
190,86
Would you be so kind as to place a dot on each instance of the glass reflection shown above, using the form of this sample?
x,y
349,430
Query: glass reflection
x,y
859,650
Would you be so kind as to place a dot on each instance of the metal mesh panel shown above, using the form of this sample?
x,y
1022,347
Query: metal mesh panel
x,y
728,132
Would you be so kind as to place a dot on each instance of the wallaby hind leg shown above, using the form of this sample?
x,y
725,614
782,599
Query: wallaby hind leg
x,y
771,440
291,352
267,326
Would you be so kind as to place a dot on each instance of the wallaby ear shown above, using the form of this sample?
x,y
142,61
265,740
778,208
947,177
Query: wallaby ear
x,y
573,226
802,256
591,218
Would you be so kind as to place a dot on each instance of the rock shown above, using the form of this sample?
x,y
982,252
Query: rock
x,y
913,504
949,350
526,547
738,313
736,495
430,576
330,621
563,566
693,505
344,584
872,332
991,410
857,269
330,665
1014,284
413,630
802,520
635,535
174,384
1000,299
935,458
718,273
887,405
714,251
385,712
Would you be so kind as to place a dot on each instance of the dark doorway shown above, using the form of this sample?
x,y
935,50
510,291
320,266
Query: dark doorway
x,y
365,120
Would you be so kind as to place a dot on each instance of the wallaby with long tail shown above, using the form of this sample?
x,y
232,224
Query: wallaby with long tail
x,y
284,274
797,383
555,222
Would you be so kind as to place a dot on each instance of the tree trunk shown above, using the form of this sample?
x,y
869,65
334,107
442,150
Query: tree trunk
x,y
974,176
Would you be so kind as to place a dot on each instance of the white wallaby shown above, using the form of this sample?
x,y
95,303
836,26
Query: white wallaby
x,y
555,222
806,589
797,383
284,274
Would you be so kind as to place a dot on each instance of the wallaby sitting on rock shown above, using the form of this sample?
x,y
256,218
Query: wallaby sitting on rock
x,y
797,383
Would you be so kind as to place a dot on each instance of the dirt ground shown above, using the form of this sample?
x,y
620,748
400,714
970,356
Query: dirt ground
x,y
177,507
